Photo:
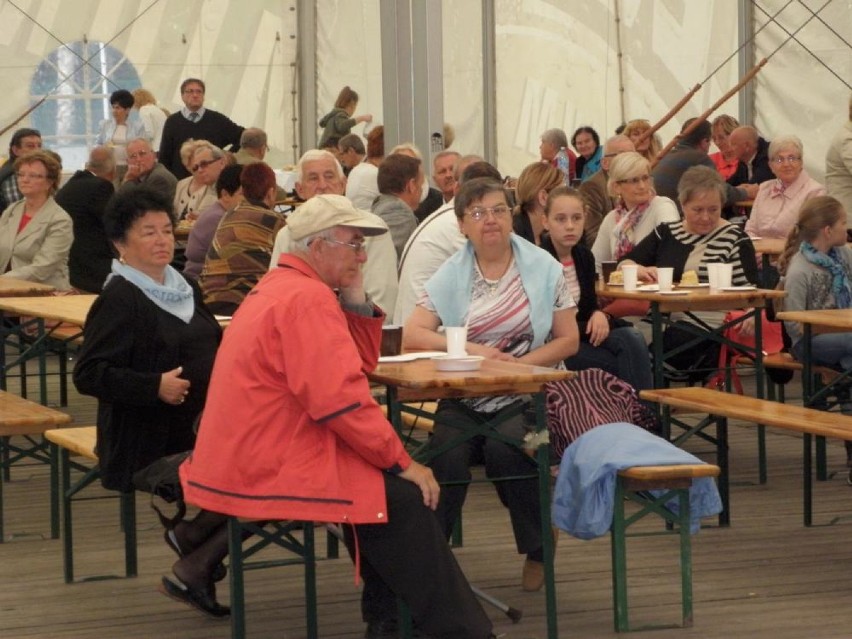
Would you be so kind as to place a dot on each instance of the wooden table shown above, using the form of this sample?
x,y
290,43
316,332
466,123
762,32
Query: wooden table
x,y
815,323
71,309
768,248
702,299
12,287
419,380
23,418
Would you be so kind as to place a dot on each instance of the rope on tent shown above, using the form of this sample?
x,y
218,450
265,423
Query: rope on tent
x,y
826,25
745,80
677,107
80,66
801,44
620,56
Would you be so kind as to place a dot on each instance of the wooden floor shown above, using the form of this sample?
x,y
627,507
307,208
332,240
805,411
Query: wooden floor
x,y
764,577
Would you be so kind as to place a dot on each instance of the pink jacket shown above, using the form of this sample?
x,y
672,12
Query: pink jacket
x,y
290,430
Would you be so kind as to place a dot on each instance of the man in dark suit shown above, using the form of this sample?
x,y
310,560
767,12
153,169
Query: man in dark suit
x,y
84,197
753,154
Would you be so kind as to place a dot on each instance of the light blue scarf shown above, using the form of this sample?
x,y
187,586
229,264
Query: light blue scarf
x,y
832,262
175,296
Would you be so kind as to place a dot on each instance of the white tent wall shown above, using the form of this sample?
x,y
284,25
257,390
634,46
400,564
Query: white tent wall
x,y
243,51
795,93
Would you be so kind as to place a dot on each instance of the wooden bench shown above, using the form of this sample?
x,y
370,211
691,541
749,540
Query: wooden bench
x,y
723,406
635,484
80,441
22,418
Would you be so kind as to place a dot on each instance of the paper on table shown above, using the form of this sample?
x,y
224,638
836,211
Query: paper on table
x,y
409,357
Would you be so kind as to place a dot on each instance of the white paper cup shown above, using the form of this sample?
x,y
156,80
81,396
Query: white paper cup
x,y
665,275
713,276
725,274
631,276
456,340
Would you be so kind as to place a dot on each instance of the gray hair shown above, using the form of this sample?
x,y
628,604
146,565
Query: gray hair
x,y
409,147
253,138
784,141
101,161
555,137
627,165
699,179
312,156
203,145
442,154
303,245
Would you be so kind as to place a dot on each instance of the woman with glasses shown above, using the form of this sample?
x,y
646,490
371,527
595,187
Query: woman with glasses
x,y
776,207
512,297
198,191
534,183
242,246
35,232
638,210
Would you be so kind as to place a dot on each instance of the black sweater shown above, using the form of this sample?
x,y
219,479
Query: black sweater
x,y
213,127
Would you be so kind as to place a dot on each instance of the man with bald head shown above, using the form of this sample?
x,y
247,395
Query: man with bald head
x,y
84,197
752,151
434,240
594,190
319,173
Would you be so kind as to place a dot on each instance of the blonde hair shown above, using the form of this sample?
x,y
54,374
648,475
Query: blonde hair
x,y
532,180
188,148
141,97
640,126
815,214
726,123
625,166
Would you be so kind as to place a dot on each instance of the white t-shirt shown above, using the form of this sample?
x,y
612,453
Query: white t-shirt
x,y
362,186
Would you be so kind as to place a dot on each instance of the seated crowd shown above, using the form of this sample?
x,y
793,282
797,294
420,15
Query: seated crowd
x,y
372,242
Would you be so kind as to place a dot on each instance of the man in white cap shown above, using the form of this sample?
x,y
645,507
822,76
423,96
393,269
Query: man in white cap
x,y
290,430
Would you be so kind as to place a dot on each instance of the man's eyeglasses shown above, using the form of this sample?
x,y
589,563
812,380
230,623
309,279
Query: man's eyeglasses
x,y
358,247
635,180
786,159
478,213
203,164
137,155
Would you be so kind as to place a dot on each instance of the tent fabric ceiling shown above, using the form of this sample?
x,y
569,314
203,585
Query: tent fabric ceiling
x,y
556,60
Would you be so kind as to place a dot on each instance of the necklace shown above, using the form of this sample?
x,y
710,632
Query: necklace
x,y
491,286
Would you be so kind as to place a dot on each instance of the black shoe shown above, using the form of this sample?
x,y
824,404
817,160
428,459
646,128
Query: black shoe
x,y
203,600
219,572
384,629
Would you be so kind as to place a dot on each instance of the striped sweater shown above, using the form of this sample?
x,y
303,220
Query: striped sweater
x,y
671,245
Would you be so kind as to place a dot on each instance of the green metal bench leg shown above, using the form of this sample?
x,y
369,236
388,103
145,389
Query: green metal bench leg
x,y
619,562
821,463
67,527
4,461
685,557
54,492
235,552
127,510
761,453
310,582
332,545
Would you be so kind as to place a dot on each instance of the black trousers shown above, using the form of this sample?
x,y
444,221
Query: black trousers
x,y
501,460
409,557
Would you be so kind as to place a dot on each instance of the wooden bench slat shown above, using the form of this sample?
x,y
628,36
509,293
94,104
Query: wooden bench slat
x,y
19,416
79,440
418,421
678,471
758,411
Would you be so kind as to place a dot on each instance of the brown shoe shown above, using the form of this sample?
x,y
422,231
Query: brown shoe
x,y
532,578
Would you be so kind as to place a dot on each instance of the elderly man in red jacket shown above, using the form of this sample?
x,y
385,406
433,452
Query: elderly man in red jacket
x,y
290,430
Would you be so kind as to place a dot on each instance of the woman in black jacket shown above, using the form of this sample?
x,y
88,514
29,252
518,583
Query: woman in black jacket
x,y
147,356
605,342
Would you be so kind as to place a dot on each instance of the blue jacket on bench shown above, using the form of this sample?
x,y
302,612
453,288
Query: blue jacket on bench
x,y
585,488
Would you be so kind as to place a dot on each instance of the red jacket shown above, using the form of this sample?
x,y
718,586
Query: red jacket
x,y
290,430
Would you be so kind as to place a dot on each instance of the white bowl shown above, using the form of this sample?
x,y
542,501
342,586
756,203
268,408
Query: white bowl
x,y
466,363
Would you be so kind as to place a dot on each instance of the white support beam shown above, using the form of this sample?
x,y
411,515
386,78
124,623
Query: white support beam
x,y
428,72
489,81
306,60
746,61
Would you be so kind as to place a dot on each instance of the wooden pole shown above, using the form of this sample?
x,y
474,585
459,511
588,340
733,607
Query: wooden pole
x,y
668,116
744,81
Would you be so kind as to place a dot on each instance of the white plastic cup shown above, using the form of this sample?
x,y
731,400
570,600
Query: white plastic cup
x,y
456,340
713,276
630,273
665,275
725,273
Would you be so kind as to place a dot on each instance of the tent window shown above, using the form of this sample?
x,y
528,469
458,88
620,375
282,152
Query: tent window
x,y
78,79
